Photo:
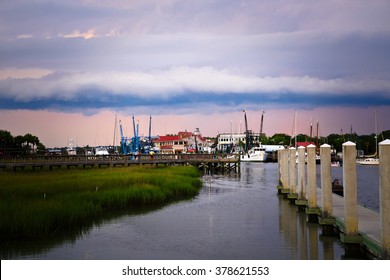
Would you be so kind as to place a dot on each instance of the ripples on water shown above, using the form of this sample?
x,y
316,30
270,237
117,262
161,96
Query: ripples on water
x,y
233,217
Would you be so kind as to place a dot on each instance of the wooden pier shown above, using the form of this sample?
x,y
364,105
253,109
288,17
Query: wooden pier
x,y
208,163
361,230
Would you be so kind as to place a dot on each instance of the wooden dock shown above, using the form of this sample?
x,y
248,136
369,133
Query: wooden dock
x,y
206,162
369,224
369,238
360,229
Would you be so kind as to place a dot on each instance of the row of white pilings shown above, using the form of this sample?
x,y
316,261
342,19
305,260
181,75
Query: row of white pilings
x,y
303,189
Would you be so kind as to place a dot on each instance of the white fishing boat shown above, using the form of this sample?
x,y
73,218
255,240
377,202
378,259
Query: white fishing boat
x,y
369,161
101,151
71,149
256,154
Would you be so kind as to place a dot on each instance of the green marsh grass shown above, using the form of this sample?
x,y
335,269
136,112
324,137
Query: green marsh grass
x,y
39,204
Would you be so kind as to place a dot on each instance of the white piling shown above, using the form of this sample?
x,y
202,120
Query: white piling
x,y
384,189
279,167
284,171
312,210
311,177
350,192
301,174
292,171
326,181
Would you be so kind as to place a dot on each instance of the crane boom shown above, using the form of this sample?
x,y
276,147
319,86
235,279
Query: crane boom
x,y
123,140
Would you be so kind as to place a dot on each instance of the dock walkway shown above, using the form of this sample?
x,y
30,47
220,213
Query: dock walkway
x,y
358,227
207,162
369,223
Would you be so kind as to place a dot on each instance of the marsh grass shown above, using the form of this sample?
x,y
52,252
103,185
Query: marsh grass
x,y
39,204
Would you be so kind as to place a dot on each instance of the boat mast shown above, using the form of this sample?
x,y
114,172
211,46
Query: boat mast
x,y
150,132
376,135
311,129
246,133
295,129
261,126
317,133
115,129
231,136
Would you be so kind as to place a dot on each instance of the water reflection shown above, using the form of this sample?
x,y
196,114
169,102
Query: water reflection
x,y
304,238
234,216
35,248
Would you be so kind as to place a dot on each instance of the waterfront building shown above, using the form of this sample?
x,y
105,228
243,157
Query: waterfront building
x,y
183,142
234,142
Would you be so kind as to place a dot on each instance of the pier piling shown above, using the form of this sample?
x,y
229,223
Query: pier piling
x,y
284,171
326,219
292,175
312,210
279,186
363,232
301,202
350,235
384,189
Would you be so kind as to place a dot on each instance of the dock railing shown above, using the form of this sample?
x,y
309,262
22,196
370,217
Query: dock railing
x,y
113,160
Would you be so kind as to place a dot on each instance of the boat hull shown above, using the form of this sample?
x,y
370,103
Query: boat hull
x,y
253,158
369,161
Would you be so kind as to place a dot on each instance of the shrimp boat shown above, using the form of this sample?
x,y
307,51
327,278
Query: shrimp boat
x,y
256,154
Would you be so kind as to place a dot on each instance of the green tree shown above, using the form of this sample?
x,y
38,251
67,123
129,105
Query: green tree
x,y
385,134
28,139
367,144
6,142
41,149
336,141
33,140
19,148
302,137
5,136
280,139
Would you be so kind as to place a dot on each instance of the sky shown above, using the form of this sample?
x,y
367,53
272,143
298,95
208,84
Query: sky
x,y
68,69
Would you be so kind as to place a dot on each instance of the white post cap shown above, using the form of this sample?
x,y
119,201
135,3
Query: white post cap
x,y
349,143
385,142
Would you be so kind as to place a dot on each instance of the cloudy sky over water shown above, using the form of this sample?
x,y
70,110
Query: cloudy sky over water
x,y
67,67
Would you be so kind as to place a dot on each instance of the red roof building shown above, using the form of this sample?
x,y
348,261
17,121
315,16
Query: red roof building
x,y
304,144
183,142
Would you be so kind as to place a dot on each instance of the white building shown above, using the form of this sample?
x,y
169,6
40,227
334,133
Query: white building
x,y
231,142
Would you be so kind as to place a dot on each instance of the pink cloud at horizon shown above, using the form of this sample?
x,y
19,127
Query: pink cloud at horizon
x,y
55,129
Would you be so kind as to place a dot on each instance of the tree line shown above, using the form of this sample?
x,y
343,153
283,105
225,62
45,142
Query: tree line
x,y
29,144
366,143
21,145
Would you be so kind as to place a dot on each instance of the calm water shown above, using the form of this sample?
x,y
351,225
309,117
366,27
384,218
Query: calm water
x,y
368,184
233,217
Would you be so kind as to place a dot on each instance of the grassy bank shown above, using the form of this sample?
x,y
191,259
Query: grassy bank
x,y
39,204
